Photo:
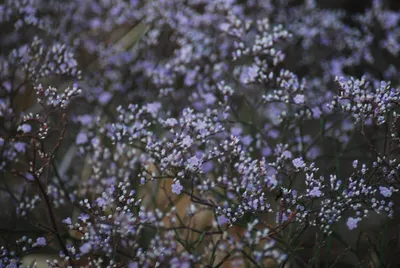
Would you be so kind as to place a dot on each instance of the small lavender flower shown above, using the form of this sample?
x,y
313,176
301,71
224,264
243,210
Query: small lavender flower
x,y
153,108
40,242
105,97
193,163
386,192
85,248
222,220
100,202
177,187
20,147
26,128
84,217
187,141
315,192
67,221
236,131
85,119
316,111
298,163
299,99
287,154
207,167
246,140
81,138
171,122
355,163
352,223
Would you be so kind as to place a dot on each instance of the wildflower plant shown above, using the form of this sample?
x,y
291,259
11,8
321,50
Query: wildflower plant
x,y
199,133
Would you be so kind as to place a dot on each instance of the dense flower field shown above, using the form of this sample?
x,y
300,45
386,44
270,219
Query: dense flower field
x,y
199,133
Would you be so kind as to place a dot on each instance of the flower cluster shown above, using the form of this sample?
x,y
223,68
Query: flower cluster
x,y
199,133
364,104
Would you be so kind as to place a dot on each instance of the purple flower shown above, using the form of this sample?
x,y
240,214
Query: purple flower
x,y
187,141
185,264
95,23
105,97
236,131
386,192
84,217
271,181
247,140
29,176
355,163
193,163
273,133
281,217
315,192
40,242
209,98
85,119
100,202
266,151
287,154
95,142
153,108
171,122
298,163
81,138
67,221
316,112
250,74
190,78
20,147
207,167
85,248
198,105
299,99
175,262
222,219
352,223
313,153
177,187
26,128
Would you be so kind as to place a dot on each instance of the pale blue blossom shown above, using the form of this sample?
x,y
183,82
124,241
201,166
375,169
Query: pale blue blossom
x,y
352,223
386,192
177,187
298,163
